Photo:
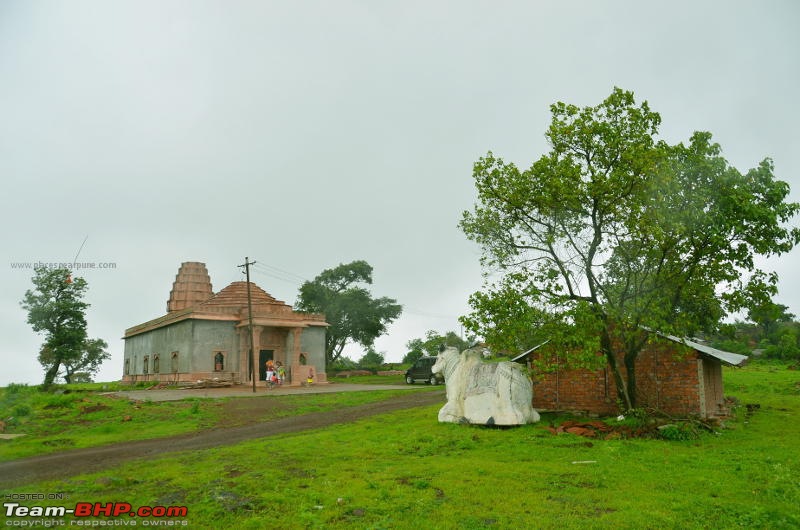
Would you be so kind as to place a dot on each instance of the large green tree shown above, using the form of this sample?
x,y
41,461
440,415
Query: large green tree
x,y
350,310
614,232
56,309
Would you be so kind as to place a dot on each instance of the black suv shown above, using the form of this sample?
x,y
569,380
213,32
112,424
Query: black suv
x,y
421,371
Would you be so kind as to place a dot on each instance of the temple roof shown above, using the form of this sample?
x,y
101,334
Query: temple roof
x,y
235,295
229,304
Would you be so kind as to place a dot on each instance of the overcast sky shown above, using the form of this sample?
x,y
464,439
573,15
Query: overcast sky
x,y
307,134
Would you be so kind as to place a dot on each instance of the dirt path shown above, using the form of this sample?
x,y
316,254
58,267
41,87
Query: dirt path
x,y
91,459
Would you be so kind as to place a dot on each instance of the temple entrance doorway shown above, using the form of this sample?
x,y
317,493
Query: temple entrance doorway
x,y
263,357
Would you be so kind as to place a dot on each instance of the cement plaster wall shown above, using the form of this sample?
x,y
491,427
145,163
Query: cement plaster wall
x,y
211,336
162,341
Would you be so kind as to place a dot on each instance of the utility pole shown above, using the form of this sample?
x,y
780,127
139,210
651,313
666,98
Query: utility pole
x,y
253,371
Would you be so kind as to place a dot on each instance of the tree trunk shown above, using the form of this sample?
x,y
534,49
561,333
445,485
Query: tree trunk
x,y
622,390
50,376
630,369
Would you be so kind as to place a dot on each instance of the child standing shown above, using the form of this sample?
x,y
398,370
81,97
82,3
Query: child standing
x,y
281,372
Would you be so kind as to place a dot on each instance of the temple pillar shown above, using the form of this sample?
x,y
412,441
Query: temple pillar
x,y
245,340
244,344
299,372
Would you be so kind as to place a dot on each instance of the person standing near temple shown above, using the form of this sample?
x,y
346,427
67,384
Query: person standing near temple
x,y
281,372
270,372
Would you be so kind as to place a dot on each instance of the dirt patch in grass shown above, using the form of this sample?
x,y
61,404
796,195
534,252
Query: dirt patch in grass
x,y
238,412
94,408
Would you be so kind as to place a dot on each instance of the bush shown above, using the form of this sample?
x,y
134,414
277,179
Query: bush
x,y
21,410
786,349
16,388
371,360
679,432
733,346
342,364
57,401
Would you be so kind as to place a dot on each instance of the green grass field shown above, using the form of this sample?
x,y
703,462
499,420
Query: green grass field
x,y
406,470
87,418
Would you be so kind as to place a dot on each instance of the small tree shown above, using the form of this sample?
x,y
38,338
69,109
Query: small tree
x,y
56,309
372,360
79,370
415,351
768,316
431,344
350,310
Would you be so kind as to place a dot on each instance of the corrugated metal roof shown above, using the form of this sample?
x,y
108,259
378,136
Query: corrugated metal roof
x,y
732,359
518,358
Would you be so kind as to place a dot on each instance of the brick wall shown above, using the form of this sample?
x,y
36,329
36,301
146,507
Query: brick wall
x,y
668,379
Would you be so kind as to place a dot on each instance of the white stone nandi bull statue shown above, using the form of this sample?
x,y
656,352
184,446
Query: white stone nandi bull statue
x,y
484,393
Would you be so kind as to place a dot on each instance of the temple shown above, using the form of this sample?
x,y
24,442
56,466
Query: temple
x,y
206,335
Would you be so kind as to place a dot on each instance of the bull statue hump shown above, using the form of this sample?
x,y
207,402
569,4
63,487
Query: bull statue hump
x,y
484,393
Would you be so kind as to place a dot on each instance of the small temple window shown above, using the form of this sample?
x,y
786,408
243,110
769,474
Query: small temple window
x,y
174,362
156,364
127,367
219,362
146,364
303,360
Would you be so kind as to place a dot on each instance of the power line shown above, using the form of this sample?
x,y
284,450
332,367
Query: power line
x,y
281,271
279,274
276,276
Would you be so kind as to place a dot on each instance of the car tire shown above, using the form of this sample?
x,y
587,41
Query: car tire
x,y
409,380
433,380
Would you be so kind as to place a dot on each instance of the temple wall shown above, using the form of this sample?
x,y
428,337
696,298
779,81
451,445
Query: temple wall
x,y
312,343
211,336
161,342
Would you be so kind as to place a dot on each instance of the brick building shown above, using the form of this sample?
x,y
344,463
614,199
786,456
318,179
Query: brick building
x,y
676,376
206,335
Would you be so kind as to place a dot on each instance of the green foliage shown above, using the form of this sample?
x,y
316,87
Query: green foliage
x,y
614,231
432,343
787,347
57,401
372,360
733,346
56,309
21,410
679,432
414,351
14,389
349,308
342,364
768,316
